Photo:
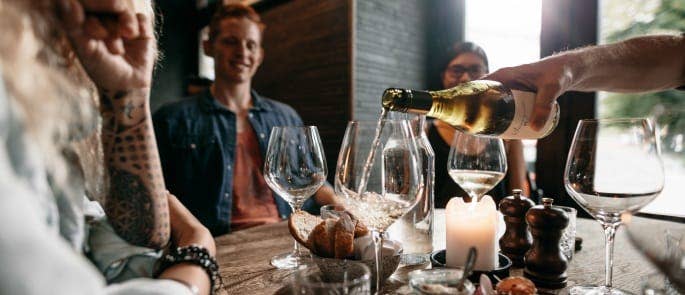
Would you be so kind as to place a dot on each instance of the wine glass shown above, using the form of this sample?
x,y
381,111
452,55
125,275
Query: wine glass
x,y
663,243
295,168
378,176
351,278
670,124
613,167
476,163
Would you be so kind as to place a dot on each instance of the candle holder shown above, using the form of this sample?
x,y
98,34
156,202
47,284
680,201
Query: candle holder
x,y
501,270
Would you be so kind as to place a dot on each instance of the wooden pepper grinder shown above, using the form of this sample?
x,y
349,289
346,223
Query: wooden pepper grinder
x,y
545,263
516,239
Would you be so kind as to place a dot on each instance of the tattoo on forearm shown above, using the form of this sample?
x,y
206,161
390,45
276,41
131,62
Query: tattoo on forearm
x,y
128,202
137,203
124,110
128,110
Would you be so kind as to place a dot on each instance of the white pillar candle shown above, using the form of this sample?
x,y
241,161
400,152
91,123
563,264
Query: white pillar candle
x,y
471,225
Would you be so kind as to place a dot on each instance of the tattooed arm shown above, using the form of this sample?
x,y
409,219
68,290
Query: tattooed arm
x,y
116,47
136,204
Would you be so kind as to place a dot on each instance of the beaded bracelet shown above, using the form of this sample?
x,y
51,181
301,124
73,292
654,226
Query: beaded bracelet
x,y
193,254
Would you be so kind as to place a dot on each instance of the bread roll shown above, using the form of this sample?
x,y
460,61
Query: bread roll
x,y
516,286
360,229
344,237
322,239
301,224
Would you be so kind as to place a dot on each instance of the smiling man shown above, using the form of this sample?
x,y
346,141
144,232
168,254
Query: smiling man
x,y
212,145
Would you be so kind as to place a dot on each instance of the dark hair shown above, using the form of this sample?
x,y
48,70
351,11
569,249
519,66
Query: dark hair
x,y
235,10
465,47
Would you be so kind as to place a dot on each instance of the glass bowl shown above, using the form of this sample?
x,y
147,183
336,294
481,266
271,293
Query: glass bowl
x,y
439,281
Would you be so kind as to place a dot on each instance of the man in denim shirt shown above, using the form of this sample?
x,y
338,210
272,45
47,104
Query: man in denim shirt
x,y
212,145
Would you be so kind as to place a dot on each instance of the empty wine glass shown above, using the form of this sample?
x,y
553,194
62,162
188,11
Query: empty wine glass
x,y
380,179
476,163
670,124
613,167
663,243
295,168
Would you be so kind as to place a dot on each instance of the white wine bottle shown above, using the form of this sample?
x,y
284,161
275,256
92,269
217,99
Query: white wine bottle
x,y
479,107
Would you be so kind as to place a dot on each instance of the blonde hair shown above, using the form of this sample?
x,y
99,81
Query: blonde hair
x,y
50,92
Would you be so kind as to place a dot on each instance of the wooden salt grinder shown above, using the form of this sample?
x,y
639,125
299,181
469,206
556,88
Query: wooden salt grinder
x,y
516,240
545,263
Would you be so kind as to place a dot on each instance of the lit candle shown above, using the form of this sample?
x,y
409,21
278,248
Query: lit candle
x,y
471,225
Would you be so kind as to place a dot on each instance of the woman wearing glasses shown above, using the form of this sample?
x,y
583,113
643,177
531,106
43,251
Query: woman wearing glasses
x,y
465,62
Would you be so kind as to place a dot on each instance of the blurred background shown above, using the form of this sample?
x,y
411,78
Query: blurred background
x,y
331,60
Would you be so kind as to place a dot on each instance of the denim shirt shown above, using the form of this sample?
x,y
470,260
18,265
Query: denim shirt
x,y
196,138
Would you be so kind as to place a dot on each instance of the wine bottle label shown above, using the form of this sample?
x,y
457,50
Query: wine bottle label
x,y
520,125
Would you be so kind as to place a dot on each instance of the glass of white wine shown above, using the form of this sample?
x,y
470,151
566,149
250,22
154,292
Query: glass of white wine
x,y
614,167
476,163
378,176
295,168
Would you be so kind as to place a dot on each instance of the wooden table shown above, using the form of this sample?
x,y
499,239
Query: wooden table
x,y
244,259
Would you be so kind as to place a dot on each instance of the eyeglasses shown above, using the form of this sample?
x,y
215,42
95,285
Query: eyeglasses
x,y
473,71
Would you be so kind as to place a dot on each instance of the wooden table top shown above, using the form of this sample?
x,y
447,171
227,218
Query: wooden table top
x,y
244,257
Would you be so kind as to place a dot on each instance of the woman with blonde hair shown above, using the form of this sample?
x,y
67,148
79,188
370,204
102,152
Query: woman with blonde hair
x,y
61,61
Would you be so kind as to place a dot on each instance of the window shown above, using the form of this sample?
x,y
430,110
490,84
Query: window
x,y
622,19
206,63
510,35
509,31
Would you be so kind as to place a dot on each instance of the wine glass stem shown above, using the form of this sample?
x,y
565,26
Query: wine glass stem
x,y
297,250
609,234
378,242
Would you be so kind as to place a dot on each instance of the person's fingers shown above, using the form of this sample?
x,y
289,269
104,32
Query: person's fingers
x,y
70,13
511,78
544,101
95,29
85,46
495,76
115,46
115,15
105,6
500,75
107,29
91,47
128,25
144,26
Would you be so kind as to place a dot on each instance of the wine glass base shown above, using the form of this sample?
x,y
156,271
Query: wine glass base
x,y
290,260
596,290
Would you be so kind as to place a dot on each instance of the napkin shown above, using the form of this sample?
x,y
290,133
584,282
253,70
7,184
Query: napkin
x,y
364,248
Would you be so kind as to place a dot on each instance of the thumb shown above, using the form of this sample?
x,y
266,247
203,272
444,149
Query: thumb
x,y
544,102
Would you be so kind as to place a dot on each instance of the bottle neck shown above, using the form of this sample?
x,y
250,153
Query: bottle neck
x,y
407,100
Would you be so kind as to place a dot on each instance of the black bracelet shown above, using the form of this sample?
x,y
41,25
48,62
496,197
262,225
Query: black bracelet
x,y
197,255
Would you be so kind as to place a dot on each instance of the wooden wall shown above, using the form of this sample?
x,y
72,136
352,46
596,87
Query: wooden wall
x,y
307,65
332,59
389,51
